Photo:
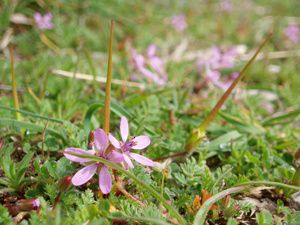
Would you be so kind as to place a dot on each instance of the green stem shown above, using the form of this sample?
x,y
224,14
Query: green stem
x,y
270,183
162,184
148,188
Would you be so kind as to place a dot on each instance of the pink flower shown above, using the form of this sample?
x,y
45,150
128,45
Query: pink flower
x,y
100,145
150,65
43,22
214,60
178,22
125,146
226,5
292,32
214,76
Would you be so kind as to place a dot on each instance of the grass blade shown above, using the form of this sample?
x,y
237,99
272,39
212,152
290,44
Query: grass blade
x,y
142,219
30,126
34,115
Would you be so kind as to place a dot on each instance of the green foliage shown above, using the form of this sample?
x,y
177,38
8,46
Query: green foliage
x,y
254,136
5,218
14,171
264,218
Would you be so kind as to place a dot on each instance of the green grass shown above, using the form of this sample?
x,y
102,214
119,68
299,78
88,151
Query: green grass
x,y
244,144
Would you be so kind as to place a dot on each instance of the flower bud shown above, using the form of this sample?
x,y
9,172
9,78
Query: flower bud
x,y
28,204
64,183
91,139
1,143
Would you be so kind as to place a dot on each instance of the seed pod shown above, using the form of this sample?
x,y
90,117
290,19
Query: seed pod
x,y
28,204
64,183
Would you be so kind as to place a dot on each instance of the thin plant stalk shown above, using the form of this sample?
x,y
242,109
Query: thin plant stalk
x,y
108,82
162,184
14,83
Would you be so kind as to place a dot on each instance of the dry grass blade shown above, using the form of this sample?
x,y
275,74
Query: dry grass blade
x,y
89,77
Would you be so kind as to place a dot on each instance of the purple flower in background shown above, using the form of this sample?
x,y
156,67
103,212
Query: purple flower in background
x,y
226,5
179,22
125,146
292,32
214,77
214,60
100,145
43,22
150,65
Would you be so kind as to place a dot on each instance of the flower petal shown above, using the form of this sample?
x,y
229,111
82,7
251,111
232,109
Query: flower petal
x,y
124,128
84,175
105,180
141,142
77,151
114,141
128,161
115,156
142,159
100,139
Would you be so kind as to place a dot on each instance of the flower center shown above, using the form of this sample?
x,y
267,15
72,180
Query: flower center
x,y
127,146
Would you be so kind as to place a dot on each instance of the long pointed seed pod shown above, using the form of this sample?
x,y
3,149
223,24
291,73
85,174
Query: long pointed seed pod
x,y
198,133
14,83
108,82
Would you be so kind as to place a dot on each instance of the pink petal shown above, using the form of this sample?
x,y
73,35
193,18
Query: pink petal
x,y
114,141
139,61
37,16
48,16
84,175
128,161
151,50
100,139
142,159
105,180
141,142
77,151
124,128
116,157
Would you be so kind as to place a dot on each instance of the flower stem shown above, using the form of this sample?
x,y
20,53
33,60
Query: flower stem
x,y
270,183
108,82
